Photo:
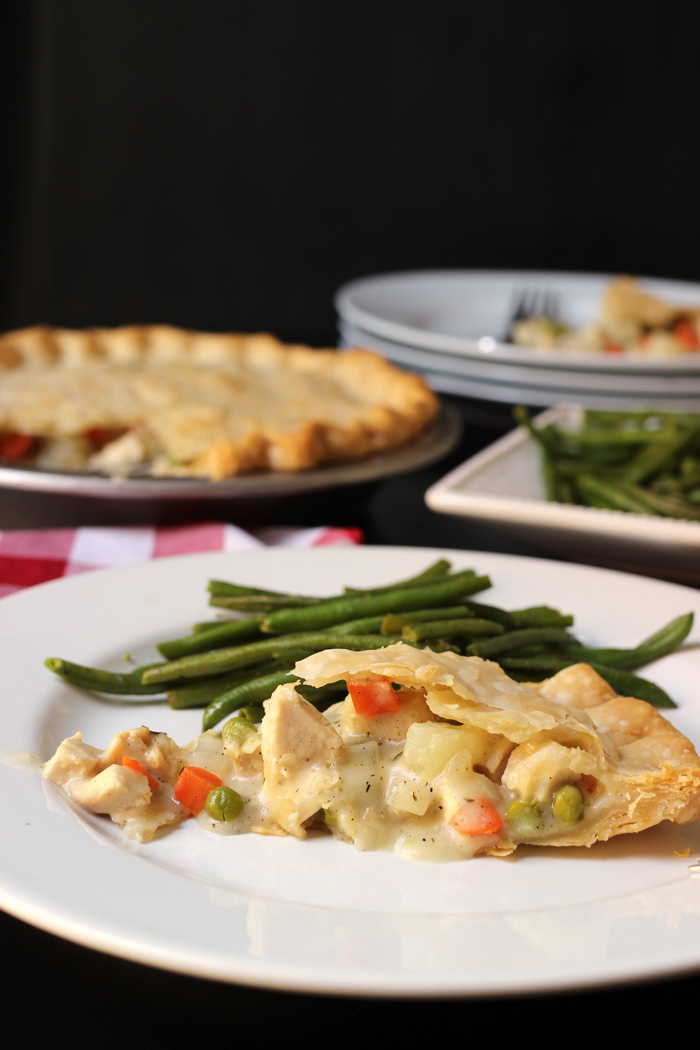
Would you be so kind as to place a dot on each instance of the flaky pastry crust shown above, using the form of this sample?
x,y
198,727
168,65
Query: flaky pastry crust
x,y
205,404
637,768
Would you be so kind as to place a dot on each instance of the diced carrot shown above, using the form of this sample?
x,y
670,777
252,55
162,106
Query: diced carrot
x,y
15,446
612,348
476,816
686,334
588,783
101,435
375,696
192,787
131,763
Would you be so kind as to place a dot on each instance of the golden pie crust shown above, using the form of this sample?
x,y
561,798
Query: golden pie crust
x,y
573,726
206,404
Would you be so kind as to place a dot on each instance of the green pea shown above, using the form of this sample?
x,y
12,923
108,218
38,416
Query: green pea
x,y
224,803
567,804
525,818
236,730
330,817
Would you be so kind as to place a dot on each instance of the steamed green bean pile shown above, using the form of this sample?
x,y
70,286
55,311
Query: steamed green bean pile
x,y
646,462
233,665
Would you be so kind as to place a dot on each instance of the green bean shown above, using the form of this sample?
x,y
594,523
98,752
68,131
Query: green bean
x,y
541,616
222,589
340,611
637,462
218,636
655,457
245,695
591,438
491,612
659,644
430,575
668,506
251,603
561,648
503,642
257,690
592,488
392,623
208,624
253,599
471,628
254,713
118,683
668,638
221,660
624,683
201,693
366,625
288,657
323,696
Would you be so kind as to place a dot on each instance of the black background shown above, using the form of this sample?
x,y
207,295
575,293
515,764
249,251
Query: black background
x,y
227,165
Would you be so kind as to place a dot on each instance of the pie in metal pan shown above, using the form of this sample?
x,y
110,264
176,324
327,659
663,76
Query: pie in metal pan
x,y
161,401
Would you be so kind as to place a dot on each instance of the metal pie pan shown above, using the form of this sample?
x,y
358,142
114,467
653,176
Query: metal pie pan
x,y
430,446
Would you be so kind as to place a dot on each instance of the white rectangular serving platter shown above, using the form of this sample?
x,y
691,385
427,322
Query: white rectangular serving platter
x,y
503,484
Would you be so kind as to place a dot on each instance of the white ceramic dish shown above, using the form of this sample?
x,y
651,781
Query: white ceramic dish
x,y
495,380
437,441
465,313
503,484
317,915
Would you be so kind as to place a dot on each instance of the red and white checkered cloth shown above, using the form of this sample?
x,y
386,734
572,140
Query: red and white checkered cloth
x,y
31,557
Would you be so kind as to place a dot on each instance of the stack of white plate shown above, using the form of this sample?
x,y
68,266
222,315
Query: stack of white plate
x,y
450,326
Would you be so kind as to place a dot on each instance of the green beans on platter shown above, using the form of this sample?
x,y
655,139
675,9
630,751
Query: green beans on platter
x,y
232,665
639,462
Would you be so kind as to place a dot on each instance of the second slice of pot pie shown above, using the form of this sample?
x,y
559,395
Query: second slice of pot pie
x,y
438,756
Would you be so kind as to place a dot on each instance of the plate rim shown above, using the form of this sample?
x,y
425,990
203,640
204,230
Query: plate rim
x,y
573,361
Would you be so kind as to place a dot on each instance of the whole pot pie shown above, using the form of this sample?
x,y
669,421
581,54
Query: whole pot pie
x,y
169,402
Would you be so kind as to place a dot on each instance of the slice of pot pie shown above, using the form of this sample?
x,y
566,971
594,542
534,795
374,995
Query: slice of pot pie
x,y
630,320
166,401
432,756
438,756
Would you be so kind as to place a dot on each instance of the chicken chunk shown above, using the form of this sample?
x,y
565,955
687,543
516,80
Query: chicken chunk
x,y
115,791
73,759
300,749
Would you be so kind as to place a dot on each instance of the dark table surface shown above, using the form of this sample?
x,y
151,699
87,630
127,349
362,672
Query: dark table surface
x,y
50,979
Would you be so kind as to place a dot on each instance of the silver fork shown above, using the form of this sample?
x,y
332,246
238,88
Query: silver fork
x,y
531,302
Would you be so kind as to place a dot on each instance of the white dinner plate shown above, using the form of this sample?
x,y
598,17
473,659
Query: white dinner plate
x,y
318,915
494,380
503,483
465,313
